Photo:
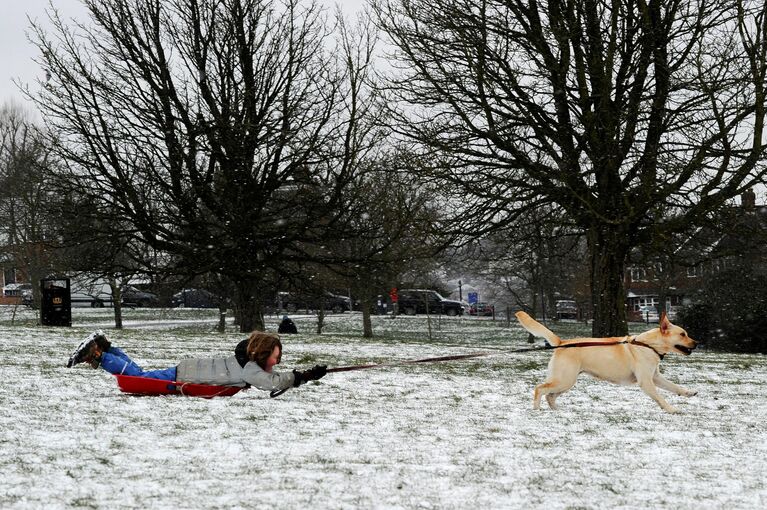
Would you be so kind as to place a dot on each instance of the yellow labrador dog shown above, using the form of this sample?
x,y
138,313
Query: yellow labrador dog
x,y
626,360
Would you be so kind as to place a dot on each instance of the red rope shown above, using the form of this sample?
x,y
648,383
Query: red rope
x,y
424,360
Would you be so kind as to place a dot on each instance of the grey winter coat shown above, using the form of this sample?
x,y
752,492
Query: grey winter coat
x,y
228,372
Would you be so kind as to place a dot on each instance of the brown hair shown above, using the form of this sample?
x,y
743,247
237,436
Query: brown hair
x,y
261,345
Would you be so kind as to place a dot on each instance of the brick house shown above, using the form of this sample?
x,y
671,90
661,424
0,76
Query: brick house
x,y
738,238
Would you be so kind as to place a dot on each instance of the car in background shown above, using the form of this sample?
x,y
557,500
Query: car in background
x,y
566,309
415,301
133,297
648,313
19,290
28,299
195,298
94,298
292,302
482,310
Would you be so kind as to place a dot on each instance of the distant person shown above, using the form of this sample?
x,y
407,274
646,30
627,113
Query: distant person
x,y
287,326
251,364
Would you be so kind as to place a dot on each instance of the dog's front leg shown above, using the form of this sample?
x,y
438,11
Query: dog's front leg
x,y
648,387
665,384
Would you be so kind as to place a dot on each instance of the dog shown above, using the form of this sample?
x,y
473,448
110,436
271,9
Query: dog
x,y
623,360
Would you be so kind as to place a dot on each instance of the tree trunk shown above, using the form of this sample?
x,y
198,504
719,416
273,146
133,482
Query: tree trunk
x,y
665,277
116,302
321,317
250,310
222,318
608,249
367,323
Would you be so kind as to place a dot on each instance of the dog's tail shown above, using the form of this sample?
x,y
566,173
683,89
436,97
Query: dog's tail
x,y
538,329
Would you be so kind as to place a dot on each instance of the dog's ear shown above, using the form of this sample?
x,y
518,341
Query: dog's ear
x,y
665,325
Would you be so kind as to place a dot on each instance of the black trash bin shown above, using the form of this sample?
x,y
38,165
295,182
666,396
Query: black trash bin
x,y
56,302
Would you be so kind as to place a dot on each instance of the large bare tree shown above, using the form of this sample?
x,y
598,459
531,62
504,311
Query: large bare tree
x,y
26,162
615,111
221,131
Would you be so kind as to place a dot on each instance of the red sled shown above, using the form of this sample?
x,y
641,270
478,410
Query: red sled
x,y
148,386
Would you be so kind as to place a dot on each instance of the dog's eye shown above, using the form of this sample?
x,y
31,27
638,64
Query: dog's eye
x,y
684,334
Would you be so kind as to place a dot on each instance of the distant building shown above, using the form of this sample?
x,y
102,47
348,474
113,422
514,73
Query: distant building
x,y
738,239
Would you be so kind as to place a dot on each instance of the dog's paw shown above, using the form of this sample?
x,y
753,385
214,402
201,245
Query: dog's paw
x,y
673,410
690,393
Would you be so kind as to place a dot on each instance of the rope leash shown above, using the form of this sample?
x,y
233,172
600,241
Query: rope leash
x,y
546,347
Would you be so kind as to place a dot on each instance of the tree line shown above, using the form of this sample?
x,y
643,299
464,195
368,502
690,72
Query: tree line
x,y
258,140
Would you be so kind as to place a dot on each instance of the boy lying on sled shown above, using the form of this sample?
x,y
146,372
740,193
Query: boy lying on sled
x,y
251,364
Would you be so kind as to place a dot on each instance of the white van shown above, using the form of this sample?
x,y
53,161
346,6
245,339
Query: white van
x,y
95,294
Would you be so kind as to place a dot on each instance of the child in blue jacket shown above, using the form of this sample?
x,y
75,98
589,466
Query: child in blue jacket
x,y
251,364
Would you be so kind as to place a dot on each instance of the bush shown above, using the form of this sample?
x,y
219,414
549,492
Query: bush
x,y
699,321
730,312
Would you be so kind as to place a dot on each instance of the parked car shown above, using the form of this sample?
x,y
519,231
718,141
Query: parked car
x,y
292,302
92,294
19,290
27,298
131,296
648,314
414,301
566,309
195,298
481,309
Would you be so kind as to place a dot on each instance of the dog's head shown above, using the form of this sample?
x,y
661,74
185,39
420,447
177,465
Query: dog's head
x,y
675,339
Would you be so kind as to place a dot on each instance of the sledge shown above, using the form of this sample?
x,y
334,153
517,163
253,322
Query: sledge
x,y
148,386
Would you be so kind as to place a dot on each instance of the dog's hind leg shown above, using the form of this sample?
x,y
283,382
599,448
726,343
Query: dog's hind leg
x,y
664,384
552,388
551,398
540,390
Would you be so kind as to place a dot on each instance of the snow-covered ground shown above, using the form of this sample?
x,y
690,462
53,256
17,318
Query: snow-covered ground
x,y
441,435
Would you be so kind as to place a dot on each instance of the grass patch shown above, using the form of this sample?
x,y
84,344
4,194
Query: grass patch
x,y
307,359
529,365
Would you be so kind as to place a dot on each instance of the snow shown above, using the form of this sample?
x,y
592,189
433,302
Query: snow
x,y
440,435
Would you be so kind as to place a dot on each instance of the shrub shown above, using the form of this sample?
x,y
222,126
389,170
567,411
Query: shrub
x,y
731,312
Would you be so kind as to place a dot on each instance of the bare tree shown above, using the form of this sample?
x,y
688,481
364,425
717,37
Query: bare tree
x,y
97,249
610,110
25,167
218,130
393,225
532,263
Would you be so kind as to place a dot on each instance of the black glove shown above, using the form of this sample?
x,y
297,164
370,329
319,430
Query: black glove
x,y
316,372
298,378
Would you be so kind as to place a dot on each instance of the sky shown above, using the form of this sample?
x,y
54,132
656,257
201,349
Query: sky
x,y
17,53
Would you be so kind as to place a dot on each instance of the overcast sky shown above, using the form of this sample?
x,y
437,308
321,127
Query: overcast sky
x,y
16,52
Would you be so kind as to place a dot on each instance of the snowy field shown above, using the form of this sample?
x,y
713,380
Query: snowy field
x,y
435,436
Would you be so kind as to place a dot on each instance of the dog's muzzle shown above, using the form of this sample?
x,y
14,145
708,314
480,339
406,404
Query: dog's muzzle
x,y
684,349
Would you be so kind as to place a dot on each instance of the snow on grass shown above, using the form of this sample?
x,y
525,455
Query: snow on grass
x,y
440,435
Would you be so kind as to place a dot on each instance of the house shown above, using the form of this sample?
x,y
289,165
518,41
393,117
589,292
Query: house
x,y
739,237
